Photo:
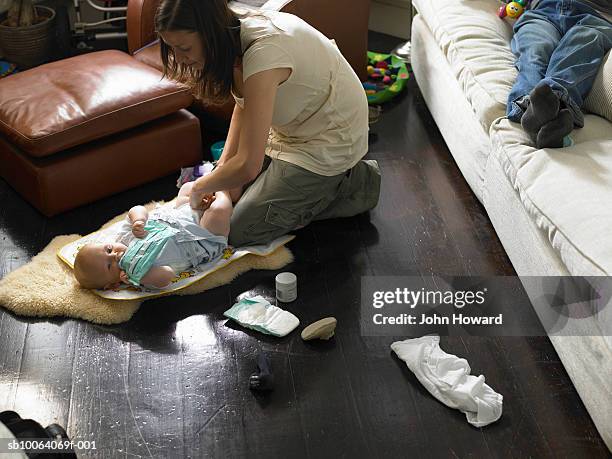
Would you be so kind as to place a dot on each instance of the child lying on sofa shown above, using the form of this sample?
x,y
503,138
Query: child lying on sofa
x,y
559,45
152,252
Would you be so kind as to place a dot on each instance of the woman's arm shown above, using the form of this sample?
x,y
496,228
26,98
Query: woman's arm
x,y
259,96
233,136
231,147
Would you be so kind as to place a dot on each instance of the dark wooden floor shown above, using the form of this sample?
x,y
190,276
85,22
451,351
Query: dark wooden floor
x,y
172,382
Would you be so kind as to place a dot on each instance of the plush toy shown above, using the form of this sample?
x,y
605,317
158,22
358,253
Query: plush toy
x,y
513,9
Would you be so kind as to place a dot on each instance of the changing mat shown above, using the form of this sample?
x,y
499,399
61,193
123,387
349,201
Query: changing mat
x,y
129,292
45,287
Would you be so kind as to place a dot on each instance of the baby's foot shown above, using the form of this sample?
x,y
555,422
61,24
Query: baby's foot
x,y
552,133
543,108
262,379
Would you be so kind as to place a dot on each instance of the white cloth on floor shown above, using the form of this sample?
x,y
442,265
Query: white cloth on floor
x,y
447,377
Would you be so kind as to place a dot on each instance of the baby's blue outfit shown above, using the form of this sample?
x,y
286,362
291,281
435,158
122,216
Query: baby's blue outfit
x,y
173,239
560,43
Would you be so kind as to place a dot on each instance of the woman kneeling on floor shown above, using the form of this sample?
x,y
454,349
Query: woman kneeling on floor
x,y
299,129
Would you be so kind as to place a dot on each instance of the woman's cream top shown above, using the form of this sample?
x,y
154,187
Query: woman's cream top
x,y
320,119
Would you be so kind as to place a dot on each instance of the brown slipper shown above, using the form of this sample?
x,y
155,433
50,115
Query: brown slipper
x,y
321,329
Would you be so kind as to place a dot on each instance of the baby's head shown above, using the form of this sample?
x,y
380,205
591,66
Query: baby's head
x,y
97,265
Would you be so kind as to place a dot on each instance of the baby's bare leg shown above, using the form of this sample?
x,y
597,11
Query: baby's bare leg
x,y
183,194
235,193
216,218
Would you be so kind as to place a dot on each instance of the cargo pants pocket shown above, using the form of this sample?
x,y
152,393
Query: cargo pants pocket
x,y
283,218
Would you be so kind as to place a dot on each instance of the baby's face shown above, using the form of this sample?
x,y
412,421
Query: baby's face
x,y
100,263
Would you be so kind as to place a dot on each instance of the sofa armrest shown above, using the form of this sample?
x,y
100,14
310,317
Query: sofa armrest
x,y
141,23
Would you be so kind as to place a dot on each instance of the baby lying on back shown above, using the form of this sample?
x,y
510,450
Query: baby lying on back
x,y
151,252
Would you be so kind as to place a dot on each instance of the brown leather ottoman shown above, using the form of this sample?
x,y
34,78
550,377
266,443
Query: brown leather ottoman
x,y
77,130
215,117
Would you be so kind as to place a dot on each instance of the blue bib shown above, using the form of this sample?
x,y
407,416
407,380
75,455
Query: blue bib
x,y
142,253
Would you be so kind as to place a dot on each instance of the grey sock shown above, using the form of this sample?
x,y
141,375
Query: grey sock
x,y
543,107
552,133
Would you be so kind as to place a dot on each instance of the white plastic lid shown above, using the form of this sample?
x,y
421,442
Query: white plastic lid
x,y
286,278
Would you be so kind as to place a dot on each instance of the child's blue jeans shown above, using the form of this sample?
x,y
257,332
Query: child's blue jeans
x,y
561,43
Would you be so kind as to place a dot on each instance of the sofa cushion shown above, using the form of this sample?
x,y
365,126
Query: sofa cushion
x,y
599,100
73,101
216,117
476,43
566,191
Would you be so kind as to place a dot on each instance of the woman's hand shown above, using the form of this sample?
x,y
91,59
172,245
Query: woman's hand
x,y
200,201
196,199
207,200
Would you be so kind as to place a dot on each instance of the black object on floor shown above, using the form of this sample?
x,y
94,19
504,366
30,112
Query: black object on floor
x,y
28,429
263,379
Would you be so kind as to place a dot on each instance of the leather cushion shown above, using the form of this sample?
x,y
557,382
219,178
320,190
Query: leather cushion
x,y
220,114
89,172
73,101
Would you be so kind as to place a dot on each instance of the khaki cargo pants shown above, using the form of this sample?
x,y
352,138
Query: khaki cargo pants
x,y
285,197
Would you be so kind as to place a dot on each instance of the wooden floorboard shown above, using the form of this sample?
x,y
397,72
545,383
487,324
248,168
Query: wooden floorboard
x,y
173,381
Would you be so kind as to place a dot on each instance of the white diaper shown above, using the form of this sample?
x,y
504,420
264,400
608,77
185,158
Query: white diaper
x,y
258,314
447,377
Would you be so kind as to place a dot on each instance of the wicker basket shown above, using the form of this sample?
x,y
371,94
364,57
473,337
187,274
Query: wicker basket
x,y
29,46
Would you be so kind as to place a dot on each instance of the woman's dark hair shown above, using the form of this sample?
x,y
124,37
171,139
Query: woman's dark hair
x,y
219,30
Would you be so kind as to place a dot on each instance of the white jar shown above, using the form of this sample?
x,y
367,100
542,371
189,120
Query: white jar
x,y
286,287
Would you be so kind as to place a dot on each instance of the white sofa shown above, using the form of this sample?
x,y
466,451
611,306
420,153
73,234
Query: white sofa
x,y
551,208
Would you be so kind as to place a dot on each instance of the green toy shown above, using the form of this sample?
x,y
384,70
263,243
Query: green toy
x,y
216,149
387,76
